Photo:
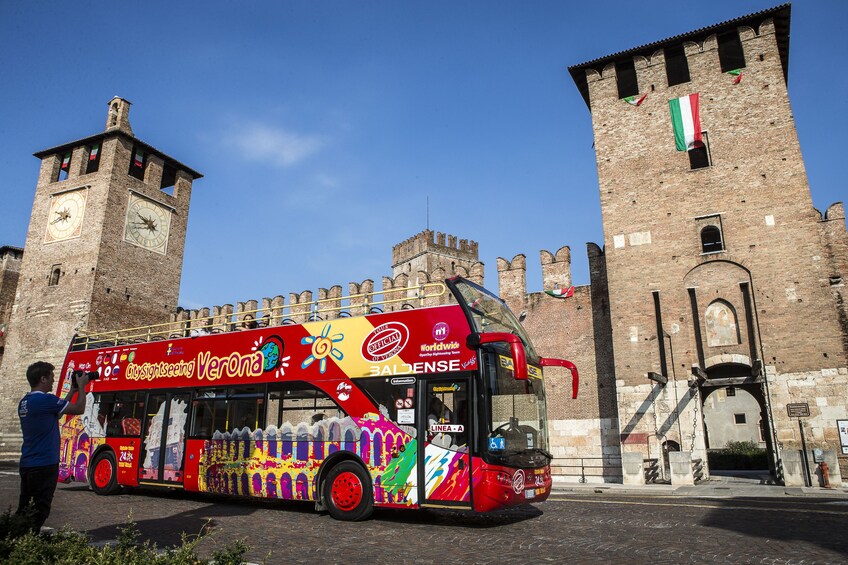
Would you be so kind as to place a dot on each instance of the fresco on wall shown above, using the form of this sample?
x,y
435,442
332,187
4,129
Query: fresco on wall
x,y
720,320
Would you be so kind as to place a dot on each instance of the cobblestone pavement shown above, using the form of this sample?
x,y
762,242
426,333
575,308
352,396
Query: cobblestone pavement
x,y
568,528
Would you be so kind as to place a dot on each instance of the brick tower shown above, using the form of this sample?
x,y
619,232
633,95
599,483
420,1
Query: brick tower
x,y
722,276
422,253
104,249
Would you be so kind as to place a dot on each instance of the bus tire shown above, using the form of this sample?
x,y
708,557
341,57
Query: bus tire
x,y
347,492
104,474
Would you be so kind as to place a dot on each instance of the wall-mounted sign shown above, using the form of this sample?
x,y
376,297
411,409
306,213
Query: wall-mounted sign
x,y
798,410
843,435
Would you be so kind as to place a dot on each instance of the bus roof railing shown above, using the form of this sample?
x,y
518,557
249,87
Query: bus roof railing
x,y
281,315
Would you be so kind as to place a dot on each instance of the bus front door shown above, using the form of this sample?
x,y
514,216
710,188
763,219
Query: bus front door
x,y
163,442
444,462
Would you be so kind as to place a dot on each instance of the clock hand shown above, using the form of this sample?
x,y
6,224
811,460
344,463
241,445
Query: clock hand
x,y
63,216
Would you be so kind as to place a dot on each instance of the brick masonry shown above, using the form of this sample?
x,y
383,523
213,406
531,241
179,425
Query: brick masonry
x,y
777,247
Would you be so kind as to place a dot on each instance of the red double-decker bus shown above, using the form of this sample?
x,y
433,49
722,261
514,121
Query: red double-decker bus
x,y
438,406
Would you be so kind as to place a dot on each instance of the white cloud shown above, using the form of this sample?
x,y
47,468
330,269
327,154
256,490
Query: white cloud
x,y
259,142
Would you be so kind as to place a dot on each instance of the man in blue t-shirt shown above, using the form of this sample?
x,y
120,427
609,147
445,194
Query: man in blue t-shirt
x,y
39,412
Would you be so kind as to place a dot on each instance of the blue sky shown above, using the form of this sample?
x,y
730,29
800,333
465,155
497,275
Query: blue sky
x,y
322,128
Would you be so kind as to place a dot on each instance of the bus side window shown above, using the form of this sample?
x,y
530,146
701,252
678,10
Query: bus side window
x,y
105,404
208,413
272,409
395,402
300,403
244,407
124,413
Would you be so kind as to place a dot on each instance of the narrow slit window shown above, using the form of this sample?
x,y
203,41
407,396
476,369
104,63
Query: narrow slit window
x,y
138,160
676,65
730,52
625,74
55,275
169,179
65,167
93,159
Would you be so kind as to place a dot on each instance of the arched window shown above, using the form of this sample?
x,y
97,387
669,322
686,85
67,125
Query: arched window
x,y
722,328
711,240
55,274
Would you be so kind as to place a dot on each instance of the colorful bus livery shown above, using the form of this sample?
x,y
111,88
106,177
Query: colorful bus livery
x,y
440,406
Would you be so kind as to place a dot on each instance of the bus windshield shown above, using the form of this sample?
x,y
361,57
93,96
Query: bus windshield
x,y
517,418
516,429
490,314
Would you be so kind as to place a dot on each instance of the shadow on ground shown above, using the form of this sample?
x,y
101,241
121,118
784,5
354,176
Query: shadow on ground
x,y
809,522
214,509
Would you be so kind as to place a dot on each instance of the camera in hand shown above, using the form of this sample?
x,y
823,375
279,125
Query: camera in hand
x,y
92,376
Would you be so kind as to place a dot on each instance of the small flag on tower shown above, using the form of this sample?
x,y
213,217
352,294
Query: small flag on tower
x,y
95,149
635,100
736,73
561,292
138,160
66,162
686,119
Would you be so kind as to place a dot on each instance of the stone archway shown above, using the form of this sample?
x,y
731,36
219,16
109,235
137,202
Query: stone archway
x,y
734,409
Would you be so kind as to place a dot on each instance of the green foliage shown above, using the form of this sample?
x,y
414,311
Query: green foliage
x,y
743,448
19,545
738,455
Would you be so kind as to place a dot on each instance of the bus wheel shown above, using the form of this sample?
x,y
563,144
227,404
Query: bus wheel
x,y
104,474
347,492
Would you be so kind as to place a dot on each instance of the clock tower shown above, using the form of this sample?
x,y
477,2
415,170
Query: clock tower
x,y
104,250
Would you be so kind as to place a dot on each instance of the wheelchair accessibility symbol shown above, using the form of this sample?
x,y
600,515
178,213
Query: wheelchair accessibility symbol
x,y
497,444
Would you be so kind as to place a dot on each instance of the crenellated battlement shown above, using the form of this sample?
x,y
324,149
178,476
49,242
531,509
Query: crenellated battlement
x,y
512,274
697,54
428,241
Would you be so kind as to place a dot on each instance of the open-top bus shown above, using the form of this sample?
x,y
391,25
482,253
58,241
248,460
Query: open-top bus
x,y
438,406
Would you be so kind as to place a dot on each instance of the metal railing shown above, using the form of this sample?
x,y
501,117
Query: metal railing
x,y
585,468
281,315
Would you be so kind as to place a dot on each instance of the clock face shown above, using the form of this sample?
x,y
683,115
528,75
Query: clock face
x,y
147,224
64,220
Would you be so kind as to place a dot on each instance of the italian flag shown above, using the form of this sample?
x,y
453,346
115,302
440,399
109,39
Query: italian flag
x,y
561,292
93,155
635,100
66,161
139,158
686,119
736,73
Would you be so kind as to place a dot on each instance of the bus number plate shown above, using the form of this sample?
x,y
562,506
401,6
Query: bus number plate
x,y
530,493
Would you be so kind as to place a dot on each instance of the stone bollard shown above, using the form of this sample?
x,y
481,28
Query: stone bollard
x,y
632,468
794,474
680,466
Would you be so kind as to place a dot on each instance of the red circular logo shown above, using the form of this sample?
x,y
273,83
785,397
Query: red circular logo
x,y
385,341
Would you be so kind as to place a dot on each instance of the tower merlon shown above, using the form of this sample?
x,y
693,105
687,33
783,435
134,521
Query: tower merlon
x,y
648,61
